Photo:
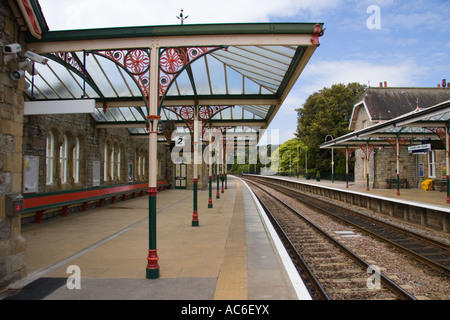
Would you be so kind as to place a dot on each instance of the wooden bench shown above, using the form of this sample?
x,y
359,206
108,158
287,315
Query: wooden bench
x,y
38,204
392,183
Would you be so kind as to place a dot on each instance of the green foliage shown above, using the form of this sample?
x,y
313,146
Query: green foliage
x,y
289,158
326,113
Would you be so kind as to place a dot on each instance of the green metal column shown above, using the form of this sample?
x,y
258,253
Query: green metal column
x,y
210,203
152,270
195,168
367,164
447,162
397,151
195,213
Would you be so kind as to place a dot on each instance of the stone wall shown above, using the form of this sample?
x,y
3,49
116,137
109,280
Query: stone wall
x,y
118,142
12,244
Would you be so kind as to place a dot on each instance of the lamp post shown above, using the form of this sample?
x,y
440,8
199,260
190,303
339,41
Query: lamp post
x,y
332,158
210,167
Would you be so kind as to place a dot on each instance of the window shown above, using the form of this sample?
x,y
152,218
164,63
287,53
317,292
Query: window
x,y
105,163
432,164
63,160
113,161
118,162
50,157
76,161
139,166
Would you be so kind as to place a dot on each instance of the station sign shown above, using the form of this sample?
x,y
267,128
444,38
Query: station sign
x,y
420,149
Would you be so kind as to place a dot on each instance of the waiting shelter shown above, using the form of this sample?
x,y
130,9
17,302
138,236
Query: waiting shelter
x,y
420,132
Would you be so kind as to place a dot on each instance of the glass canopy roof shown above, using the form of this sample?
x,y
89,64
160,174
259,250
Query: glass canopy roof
x,y
251,80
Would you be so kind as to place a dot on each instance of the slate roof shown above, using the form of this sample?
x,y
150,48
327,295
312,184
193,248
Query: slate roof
x,y
388,103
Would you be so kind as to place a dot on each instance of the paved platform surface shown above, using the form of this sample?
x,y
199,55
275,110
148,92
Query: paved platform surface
x,y
231,255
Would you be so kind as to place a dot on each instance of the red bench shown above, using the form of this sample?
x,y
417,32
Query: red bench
x,y
40,203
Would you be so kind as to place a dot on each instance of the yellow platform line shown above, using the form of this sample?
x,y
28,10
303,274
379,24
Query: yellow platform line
x,y
232,280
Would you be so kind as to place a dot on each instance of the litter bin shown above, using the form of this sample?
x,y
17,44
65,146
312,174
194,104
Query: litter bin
x,y
427,184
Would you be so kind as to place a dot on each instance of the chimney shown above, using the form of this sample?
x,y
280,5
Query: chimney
x,y
381,84
385,84
444,83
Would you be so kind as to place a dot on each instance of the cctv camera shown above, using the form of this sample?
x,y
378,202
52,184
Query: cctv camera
x,y
12,48
35,57
17,74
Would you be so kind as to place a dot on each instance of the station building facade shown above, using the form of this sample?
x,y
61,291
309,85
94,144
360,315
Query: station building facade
x,y
380,104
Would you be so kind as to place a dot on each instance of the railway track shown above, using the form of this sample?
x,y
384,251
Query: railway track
x,y
423,249
332,271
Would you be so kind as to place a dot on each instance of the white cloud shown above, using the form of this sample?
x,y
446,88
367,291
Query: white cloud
x,y
326,73
64,14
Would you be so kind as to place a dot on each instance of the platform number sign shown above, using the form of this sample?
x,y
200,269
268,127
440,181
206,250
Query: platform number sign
x,y
180,141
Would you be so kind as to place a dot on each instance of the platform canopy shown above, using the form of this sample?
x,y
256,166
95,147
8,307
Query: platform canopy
x,y
414,128
237,74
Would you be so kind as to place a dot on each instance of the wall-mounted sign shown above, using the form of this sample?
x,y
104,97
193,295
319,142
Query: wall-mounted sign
x,y
420,149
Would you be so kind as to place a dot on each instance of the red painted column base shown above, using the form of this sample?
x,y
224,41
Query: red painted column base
x,y
152,269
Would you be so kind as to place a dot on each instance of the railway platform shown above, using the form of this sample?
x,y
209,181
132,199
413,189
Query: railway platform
x,y
233,254
413,195
411,207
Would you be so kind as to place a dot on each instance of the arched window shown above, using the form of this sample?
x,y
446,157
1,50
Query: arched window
x,y
119,155
76,161
143,166
113,161
50,158
139,166
63,159
105,163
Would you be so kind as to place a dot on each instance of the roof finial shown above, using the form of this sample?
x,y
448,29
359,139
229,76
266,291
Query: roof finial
x,y
181,17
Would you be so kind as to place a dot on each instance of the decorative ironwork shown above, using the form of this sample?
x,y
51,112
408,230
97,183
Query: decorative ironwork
x,y
205,113
172,61
439,131
343,150
136,62
69,58
393,143
317,32
363,147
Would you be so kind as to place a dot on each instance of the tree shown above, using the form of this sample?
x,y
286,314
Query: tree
x,y
289,158
326,112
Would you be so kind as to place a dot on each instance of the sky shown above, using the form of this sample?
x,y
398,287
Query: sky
x,y
405,43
